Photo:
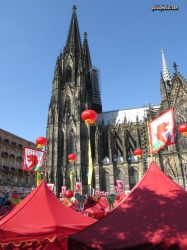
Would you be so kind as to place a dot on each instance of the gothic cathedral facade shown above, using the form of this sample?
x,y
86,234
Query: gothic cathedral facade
x,y
116,135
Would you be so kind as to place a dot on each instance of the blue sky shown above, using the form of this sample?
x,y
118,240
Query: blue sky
x,y
125,38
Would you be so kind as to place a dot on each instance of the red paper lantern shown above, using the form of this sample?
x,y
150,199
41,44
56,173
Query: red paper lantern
x,y
138,152
117,197
72,157
41,141
68,194
183,129
89,116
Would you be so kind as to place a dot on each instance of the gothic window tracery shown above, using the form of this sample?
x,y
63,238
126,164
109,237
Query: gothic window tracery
x,y
130,142
72,142
119,174
180,118
68,74
68,107
133,177
105,183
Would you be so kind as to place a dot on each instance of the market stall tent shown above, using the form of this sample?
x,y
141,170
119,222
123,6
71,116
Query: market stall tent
x,y
152,216
40,221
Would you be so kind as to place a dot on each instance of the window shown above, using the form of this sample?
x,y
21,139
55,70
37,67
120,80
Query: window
x,y
10,164
15,179
72,142
68,74
17,165
133,177
68,105
3,162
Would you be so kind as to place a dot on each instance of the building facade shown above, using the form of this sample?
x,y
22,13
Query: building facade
x,y
11,175
75,88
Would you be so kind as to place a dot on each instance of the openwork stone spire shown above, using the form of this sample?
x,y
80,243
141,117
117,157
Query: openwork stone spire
x,y
87,52
166,74
73,43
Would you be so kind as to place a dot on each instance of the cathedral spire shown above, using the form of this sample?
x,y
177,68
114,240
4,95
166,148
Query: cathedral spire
x,y
73,43
87,52
166,74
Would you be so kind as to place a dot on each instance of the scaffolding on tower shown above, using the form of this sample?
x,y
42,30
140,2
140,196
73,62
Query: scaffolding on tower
x,y
96,87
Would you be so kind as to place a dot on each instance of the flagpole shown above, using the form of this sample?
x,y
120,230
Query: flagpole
x,y
150,146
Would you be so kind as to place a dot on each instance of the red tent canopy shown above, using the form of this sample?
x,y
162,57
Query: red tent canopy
x,y
41,220
152,216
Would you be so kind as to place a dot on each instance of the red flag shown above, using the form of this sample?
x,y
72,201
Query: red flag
x,y
162,131
33,160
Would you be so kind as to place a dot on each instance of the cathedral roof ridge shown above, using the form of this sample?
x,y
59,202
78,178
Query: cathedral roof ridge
x,y
144,106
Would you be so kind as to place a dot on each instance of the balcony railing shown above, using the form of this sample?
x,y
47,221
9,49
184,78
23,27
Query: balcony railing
x,y
20,146
19,158
5,168
13,143
12,156
4,154
20,171
12,169
6,140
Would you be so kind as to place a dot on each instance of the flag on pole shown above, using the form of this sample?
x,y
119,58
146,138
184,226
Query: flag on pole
x,y
71,179
33,160
38,178
90,164
162,131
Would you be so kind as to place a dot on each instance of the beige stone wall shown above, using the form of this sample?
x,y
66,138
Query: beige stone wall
x,y
11,153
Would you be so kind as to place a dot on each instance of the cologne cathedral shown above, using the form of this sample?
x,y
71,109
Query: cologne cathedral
x,y
116,134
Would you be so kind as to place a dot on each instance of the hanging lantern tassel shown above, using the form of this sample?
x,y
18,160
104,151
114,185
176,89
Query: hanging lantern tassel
x,y
89,116
138,152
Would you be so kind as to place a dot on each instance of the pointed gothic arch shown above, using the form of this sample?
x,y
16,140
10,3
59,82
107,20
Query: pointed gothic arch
x,y
72,141
105,180
133,176
120,174
67,106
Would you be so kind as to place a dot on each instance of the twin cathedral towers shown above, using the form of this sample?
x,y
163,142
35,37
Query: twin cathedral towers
x,y
115,136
